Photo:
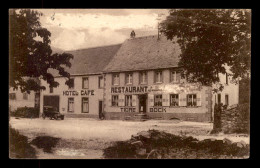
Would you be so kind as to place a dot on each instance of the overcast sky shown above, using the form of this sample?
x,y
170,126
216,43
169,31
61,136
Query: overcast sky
x,y
84,28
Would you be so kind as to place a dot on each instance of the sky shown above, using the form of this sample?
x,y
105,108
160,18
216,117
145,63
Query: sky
x,y
73,29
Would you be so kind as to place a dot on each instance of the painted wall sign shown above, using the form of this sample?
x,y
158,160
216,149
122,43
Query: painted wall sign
x,y
127,109
158,109
76,93
169,88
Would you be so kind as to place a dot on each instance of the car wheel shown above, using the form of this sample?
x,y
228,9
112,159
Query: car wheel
x,y
55,117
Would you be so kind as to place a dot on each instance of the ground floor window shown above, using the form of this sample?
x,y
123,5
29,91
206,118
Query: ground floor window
x,y
219,98
128,100
158,100
191,100
174,100
71,104
12,96
25,96
114,100
85,105
226,100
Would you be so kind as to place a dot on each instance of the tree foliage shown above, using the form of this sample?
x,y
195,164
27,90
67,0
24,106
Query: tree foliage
x,y
29,57
210,40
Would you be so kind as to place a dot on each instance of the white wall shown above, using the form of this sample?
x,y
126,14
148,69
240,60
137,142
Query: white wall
x,y
63,107
19,101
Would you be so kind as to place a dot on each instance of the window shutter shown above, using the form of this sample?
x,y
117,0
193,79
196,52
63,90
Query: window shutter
x,y
110,102
182,99
151,100
133,100
121,100
198,99
166,100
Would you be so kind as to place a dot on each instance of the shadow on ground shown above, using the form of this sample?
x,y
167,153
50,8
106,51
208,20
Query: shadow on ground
x,y
45,142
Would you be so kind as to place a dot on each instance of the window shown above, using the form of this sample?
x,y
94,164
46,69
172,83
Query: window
x,y
158,77
175,76
115,79
129,78
85,104
100,82
85,83
25,96
191,100
143,78
158,100
51,89
174,100
71,83
12,96
219,98
128,100
226,99
115,100
71,104
226,78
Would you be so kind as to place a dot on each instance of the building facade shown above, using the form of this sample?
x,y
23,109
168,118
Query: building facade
x,y
140,76
85,97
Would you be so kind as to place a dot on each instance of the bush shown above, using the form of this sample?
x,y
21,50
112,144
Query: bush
x,y
19,146
243,118
26,112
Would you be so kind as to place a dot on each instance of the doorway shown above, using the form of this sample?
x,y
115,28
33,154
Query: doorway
x,y
51,101
142,103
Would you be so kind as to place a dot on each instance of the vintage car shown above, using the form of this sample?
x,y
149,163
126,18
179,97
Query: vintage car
x,y
52,113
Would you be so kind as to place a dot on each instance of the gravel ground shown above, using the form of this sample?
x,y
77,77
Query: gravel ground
x,y
86,138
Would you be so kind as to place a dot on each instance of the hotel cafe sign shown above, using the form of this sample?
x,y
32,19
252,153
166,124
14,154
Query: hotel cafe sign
x,y
76,93
154,88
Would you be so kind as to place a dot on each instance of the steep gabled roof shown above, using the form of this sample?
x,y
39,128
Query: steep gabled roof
x,y
90,60
145,53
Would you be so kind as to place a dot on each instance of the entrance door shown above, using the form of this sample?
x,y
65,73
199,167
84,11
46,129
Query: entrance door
x,y
142,103
51,101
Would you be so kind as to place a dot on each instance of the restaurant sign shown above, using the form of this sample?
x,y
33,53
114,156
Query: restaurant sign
x,y
155,88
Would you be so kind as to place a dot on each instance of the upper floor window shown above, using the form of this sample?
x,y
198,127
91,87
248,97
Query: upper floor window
x,y
143,77
158,100
100,82
129,78
174,100
12,96
175,76
128,100
191,100
25,96
51,89
85,83
71,83
115,79
158,77
226,78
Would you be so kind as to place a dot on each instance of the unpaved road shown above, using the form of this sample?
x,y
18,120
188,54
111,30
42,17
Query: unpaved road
x,y
85,138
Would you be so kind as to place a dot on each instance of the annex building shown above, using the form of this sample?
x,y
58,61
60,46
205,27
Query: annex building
x,y
140,76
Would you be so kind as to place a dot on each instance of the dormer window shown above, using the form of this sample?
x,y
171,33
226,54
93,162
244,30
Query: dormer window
x,y
129,78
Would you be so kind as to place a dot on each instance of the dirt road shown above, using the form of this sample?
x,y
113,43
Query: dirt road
x,y
86,138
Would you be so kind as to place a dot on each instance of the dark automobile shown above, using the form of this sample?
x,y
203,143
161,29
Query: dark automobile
x,y
52,113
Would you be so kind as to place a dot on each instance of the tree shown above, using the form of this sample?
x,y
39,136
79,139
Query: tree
x,y
29,57
210,40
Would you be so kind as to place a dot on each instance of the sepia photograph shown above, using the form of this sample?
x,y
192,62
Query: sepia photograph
x,y
129,83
